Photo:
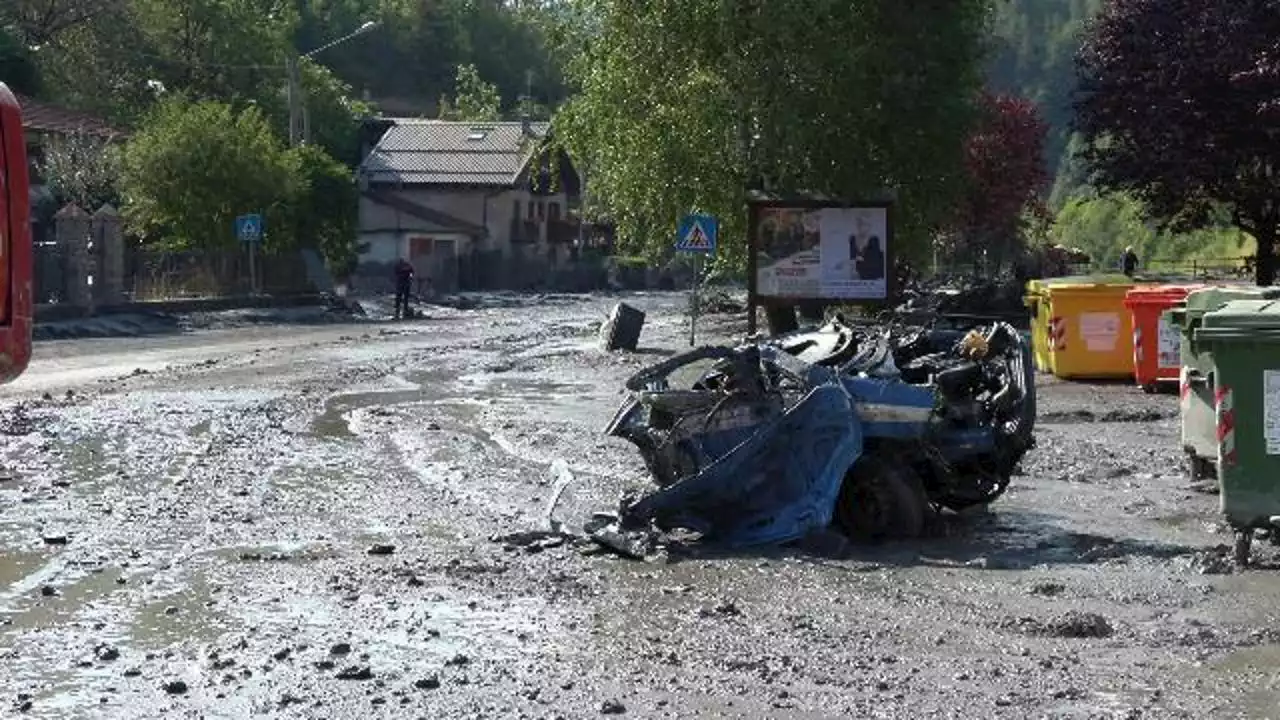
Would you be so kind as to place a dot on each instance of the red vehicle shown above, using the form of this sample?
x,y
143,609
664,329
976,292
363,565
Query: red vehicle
x,y
15,242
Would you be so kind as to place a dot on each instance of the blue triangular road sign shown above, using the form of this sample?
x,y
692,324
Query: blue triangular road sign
x,y
697,233
696,239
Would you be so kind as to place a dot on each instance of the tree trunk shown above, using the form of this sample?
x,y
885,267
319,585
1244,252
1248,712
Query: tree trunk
x,y
1265,265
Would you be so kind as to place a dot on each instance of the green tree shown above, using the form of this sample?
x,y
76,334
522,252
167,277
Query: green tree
x,y
1033,45
82,170
1103,225
135,51
1178,103
334,114
18,69
324,206
685,105
194,167
40,21
473,99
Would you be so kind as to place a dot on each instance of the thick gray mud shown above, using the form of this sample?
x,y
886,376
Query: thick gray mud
x,y
298,522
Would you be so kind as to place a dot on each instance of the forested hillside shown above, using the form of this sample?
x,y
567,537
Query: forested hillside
x,y
1034,44
110,56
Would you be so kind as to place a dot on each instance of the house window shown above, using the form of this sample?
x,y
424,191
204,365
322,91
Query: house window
x,y
419,246
516,212
554,211
533,210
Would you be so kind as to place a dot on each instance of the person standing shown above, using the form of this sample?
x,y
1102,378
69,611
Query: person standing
x,y
1129,261
403,271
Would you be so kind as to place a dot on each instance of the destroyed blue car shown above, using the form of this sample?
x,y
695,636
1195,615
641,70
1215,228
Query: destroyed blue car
x,y
870,428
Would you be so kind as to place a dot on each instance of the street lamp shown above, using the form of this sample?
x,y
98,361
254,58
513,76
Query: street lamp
x,y
299,127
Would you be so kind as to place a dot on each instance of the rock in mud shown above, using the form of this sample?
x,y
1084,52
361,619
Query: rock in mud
x,y
612,707
1047,589
381,549
106,653
1074,624
355,672
431,682
726,608
1216,561
458,660
55,539
340,649
49,591
175,687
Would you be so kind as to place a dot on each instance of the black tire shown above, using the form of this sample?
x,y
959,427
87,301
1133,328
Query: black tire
x,y
880,500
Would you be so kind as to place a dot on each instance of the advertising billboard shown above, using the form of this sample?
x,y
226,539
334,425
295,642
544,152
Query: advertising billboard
x,y
822,252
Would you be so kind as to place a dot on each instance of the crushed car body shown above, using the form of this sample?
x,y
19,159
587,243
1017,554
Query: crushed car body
x,y
871,427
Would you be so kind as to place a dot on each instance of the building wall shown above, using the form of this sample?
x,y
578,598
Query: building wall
x,y
436,257
494,262
493,209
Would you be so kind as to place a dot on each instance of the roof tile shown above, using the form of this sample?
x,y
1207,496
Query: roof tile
x,y
43,117
435,152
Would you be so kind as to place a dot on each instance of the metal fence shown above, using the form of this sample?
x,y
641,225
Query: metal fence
x,y
1225,268
157,275
1230,268
151,274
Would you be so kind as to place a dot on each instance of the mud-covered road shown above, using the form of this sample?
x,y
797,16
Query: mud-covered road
x,y
293,521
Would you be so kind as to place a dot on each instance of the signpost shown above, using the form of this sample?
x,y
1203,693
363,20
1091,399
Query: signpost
x,y
249,231
697,234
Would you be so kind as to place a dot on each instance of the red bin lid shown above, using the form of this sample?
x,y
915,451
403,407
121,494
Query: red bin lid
x,y
1160,294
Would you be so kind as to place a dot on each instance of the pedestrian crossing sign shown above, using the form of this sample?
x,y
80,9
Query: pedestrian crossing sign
x,y
697,233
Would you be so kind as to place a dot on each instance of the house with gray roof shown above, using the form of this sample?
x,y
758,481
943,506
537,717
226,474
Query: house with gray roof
x,y
471,205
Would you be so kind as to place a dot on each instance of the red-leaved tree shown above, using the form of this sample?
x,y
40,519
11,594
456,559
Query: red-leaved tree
x,y
1178,101
1007,177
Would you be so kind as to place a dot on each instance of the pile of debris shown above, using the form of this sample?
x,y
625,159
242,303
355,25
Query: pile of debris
x,y
874,427
997,299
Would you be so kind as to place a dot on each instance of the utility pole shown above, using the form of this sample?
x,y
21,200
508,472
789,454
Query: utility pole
x,y
299,118
295,101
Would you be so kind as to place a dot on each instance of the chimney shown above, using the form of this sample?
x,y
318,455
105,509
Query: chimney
x,y
526,126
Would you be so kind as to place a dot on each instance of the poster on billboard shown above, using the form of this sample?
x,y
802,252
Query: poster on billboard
x,y
837,253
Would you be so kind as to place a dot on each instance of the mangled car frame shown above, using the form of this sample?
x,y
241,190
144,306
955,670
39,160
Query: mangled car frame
x,y
871,427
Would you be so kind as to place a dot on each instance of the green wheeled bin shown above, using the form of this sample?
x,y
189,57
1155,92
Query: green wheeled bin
x,y
1244,339
1195,386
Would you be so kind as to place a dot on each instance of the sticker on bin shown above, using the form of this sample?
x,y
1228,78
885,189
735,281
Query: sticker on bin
x,y
1225,404
1271,410
1170,349
1057,334
1100,331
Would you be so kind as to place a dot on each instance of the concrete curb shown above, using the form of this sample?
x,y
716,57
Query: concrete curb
x,y
58,313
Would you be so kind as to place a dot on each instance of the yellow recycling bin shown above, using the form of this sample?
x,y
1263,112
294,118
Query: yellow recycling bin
x,y
1080,326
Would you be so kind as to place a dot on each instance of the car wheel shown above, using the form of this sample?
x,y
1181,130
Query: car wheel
x,y
881,501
